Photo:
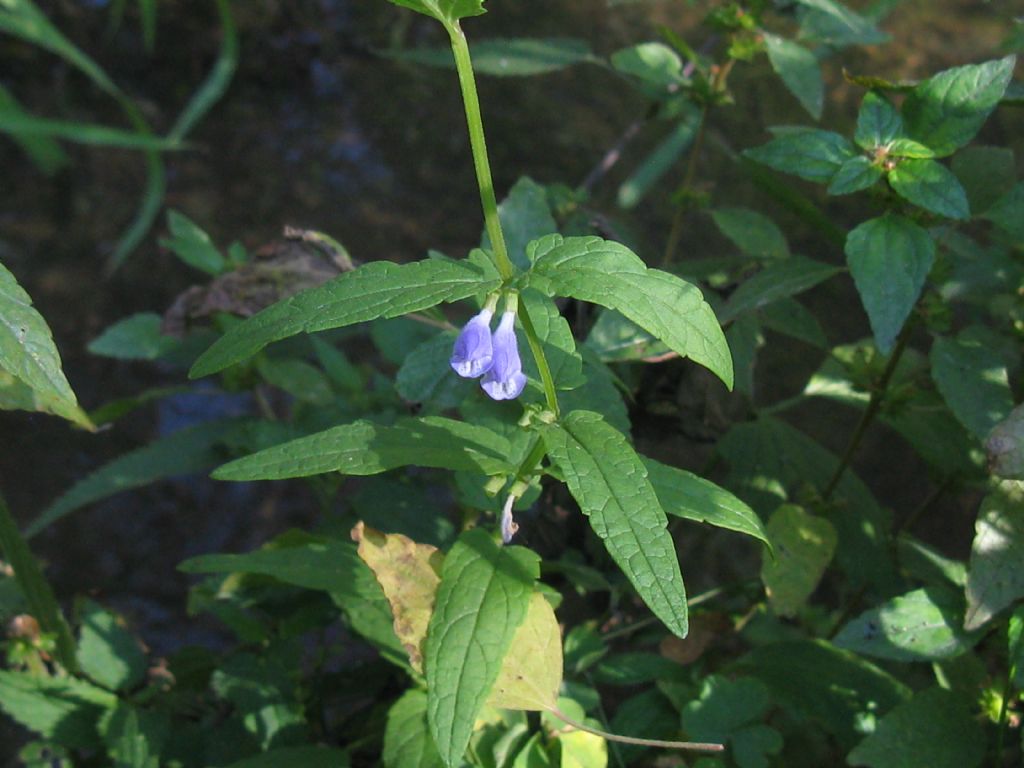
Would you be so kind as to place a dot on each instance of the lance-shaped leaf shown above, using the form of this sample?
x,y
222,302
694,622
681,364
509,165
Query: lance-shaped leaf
x,y
799,70
782,278
380,289
890,258
481,601
27,353
407,742
365,448
995,577
810,154
686,495
609,481
608,273
409,574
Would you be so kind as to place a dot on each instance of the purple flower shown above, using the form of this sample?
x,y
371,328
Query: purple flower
x,y
472,354
505,379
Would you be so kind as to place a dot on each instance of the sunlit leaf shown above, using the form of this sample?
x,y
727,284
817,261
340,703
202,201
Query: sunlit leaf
x,y
407,740
803,545
973,381
995,577
107,652
531,672
1005,446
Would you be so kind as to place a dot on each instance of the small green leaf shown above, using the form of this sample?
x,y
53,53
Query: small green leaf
x,y
1005,446
609,274
908,148
803,545
1005,213
63,709
407,741
448,12
136,337
656,65
365,448
107,652
790,317
778,280
377,290
556,338
973,381
482,599
855,174
730,711
28,353
923,625
531,673
192,245
995,577
935,728
799,70
946,111
752,232
890,258
878,122
609,482
809,154
506,57
693,498
652,168
930,185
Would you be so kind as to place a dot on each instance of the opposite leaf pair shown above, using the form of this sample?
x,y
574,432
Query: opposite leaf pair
x,y
478,352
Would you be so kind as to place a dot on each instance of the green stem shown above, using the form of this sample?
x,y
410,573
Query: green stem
x,y
542,361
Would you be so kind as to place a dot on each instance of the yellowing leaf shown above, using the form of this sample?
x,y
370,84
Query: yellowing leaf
x,y
583,750
409,574
804,545
531,672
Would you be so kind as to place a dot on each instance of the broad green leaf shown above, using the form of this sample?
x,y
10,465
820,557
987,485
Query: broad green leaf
x,y
924,421
855,174
810,154
686,495
136,337
609,482
531,672
43,150
790,317
426,375
582,750
407,740
408,573
307,756
931,186
973,381
482,599
935,728
525,215
447,12
878,122
730,711
185,452
107,652
929,566
803,545
607,273
63,709
28,353
779,280
192,245
752,232
833,687
556,338
1005,446
799,70
602,391
995,577
923,625
656,65
652,168
613,338
986,174
376,290
890,258
365,448
506,57
946,111
1005,213
134,737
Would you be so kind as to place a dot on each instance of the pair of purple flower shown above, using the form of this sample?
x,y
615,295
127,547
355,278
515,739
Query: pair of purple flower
x,y
478,352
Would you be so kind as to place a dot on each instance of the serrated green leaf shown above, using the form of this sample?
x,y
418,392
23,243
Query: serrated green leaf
x,y
446,11
133,736
778,280
934,729
136,337
809,154
890,258
557,339
878,122
1005,446
931,186
376,290
192,245
1005,213
482,599
28,353
531,672
652,168
855,174
923,625
752,232
609,482
407,741
799,70
835,688
107,652
973,381
187,451
607,273
62,709
946,111
803,545
693,498
307,757
506,57
365,448
995,577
